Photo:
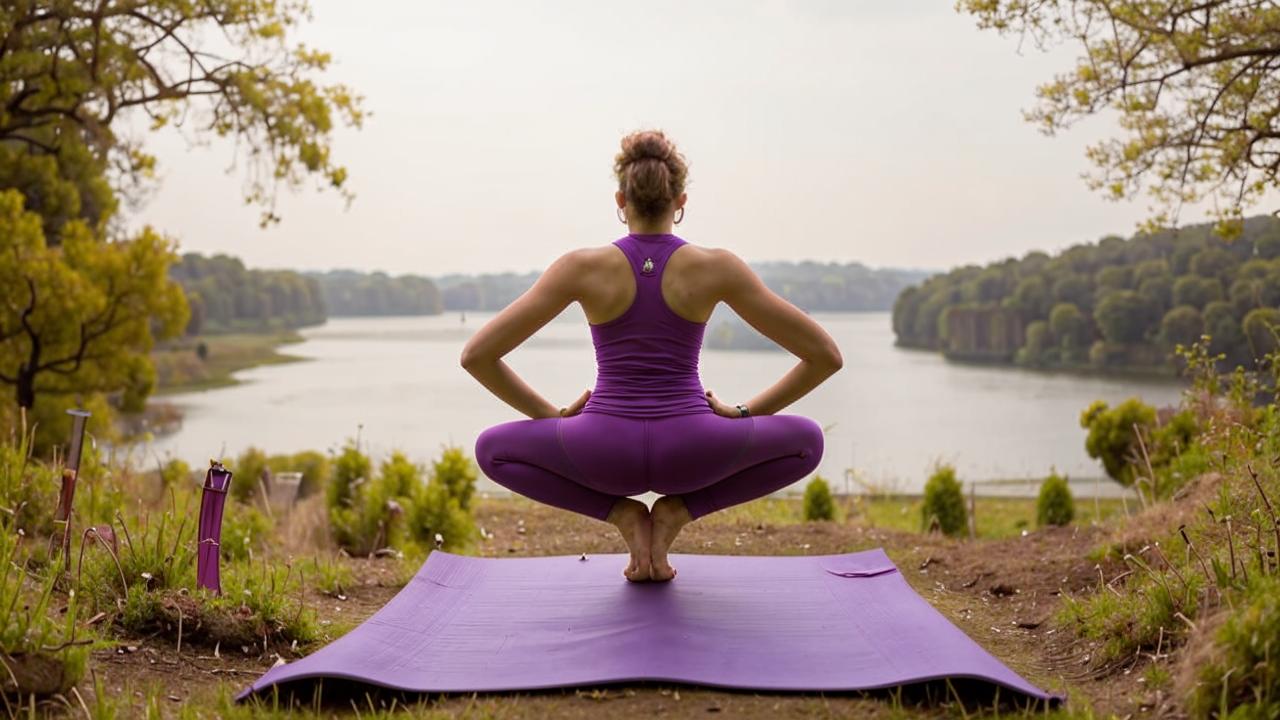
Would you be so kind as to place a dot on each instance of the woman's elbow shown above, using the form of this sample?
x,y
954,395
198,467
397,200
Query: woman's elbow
x,y
831,360
469,359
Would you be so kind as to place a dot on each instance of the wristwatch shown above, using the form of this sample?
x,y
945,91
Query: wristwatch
x,y
742,410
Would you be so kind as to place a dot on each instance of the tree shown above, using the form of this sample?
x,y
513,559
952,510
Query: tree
x,y
1032,296
1196,291
1226,335
81,300
79,317
1158,289
72,72
1068,326
1074,289
1182,325
1195,85
1036,343
1124,317
1262,330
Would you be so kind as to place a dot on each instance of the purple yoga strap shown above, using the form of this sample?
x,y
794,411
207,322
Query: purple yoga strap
x,y
824,623
213,498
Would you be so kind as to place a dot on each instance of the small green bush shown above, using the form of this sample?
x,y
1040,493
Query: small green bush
x,y
349,469
818,504
435,511
458,473
373,520
1055,506
245,530
247,472
175,473
397,507
1112,438
944,500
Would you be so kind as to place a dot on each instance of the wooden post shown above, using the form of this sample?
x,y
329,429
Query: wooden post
x,y
973,511
70,473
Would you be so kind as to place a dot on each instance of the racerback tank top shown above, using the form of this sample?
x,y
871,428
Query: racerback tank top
x,y
647,357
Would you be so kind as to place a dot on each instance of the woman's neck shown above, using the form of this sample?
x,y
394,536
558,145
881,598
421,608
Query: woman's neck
x,y
658,228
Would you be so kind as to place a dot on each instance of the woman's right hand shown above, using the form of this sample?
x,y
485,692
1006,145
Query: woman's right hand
x,y
720,408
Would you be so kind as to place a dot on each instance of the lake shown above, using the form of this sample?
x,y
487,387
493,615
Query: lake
x,y
890,413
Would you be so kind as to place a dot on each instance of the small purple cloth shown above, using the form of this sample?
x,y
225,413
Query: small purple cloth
x,y
823,623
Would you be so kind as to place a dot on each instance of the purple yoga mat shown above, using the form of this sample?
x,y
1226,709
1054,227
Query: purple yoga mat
x,y
822,623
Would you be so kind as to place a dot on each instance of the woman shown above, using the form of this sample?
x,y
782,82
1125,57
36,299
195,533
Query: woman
x,y
648,425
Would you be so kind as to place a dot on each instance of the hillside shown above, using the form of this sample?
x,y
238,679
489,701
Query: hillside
x,y
1115,304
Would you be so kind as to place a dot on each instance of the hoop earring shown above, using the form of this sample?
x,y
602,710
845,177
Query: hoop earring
x,y
622,218
679,217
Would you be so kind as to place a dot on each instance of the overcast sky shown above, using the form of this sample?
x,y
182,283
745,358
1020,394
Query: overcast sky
x,y
884,131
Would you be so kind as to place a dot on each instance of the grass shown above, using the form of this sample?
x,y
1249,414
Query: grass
x,y
180,369
994,517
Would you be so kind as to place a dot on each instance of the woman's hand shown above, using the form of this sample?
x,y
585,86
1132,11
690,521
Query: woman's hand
x,y
576,406
720,408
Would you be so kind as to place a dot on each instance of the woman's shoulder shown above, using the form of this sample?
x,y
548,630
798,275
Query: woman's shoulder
x,y
709,261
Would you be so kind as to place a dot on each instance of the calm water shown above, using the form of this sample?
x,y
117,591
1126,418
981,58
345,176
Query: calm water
x,y
890,413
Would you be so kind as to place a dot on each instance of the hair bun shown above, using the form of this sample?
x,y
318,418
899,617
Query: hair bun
x,y
647,144
650,187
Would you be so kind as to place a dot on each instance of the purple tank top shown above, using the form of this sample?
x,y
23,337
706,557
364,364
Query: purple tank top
x,y
647,358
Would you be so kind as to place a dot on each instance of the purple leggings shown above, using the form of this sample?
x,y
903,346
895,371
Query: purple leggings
x,y
585,463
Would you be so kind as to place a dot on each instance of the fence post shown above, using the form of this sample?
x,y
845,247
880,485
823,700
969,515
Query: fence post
x,y
973,511
70,472
213,498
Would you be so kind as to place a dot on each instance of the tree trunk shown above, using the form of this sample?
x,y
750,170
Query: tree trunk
x,y
26,386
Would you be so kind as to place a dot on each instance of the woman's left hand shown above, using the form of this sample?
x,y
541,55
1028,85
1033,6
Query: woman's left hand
x,y
720,408
577,405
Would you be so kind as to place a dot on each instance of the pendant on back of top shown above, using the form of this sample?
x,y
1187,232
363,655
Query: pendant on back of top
x,y
647,268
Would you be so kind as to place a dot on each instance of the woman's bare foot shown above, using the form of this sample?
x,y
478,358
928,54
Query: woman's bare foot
x,y
669,515
631,517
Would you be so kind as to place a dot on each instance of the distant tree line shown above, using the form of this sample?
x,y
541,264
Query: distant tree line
x,y
813,286
483,292
1115,303
227,297
836,287
224,296
351,293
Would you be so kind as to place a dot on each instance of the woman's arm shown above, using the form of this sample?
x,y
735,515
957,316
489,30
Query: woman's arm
x,y
785,324
483,353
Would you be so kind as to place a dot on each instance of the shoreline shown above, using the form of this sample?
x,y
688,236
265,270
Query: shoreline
x,y
181,369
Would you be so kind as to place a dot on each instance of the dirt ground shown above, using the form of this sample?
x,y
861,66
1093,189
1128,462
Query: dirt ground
x,y
1003,593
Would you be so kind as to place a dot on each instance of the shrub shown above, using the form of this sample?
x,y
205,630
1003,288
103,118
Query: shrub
x,y
350,469
315,469
244,531
401,475
1111,436
248,470
373,519
944,500
818,504
1055,505
458,473
435,511
175,473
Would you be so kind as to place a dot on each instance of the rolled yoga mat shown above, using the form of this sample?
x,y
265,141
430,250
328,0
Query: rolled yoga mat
x,y
820,623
